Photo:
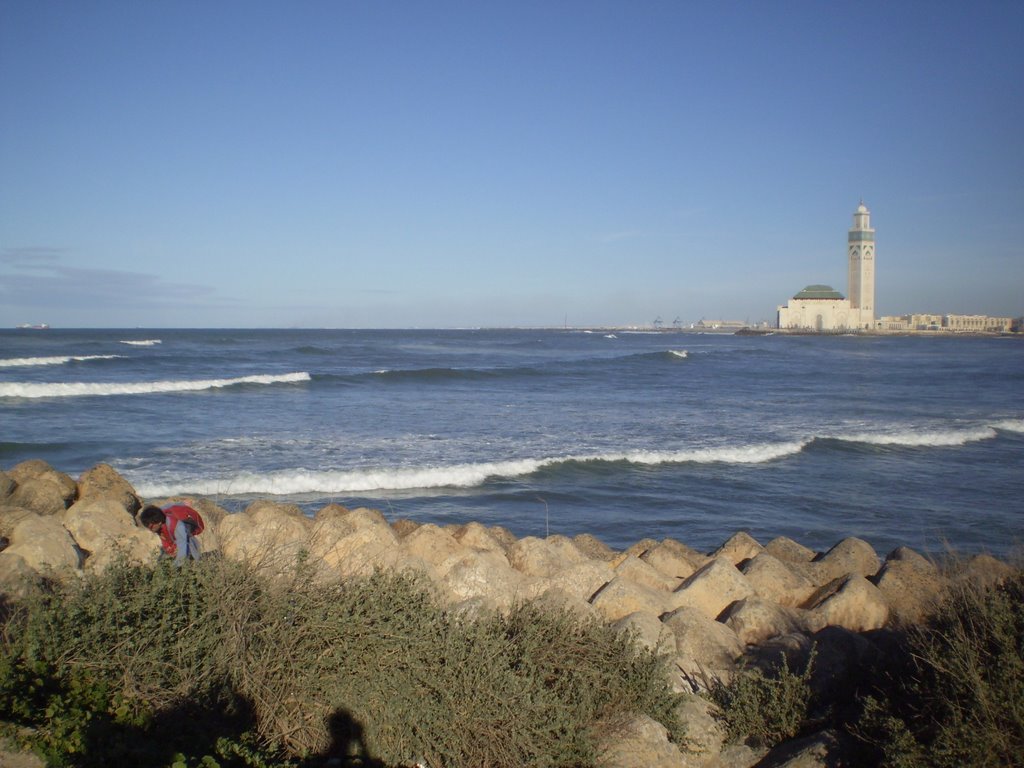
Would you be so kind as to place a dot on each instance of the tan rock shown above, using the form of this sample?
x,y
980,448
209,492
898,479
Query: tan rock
x,y
668,561
755,620
36,469
851,555
649,632
706,648
40,494
911,591
582,580
477,536
774,580
106,533
787,550
640,742
272,539
355,546
739,547
851,602
10,516
677,548
17,578
593,547
704,729
641,572
819,750
539,557
404,527
44,545
7,485
712,588
331,510
482,574
431,543
621,597
983,572
103,481
637,549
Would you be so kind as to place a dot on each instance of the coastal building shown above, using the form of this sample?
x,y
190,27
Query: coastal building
x,y
946,323
821,308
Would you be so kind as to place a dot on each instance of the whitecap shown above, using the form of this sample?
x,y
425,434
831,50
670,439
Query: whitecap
x,y
923,439
56,360
100,389
142,342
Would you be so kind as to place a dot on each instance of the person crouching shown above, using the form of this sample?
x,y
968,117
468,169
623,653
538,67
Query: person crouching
x,y
177,525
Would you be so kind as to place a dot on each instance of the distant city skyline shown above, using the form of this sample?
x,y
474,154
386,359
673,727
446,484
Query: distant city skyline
x,y
342,164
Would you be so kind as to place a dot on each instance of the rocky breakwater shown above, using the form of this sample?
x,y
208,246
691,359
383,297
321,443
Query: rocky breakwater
x,y
709,612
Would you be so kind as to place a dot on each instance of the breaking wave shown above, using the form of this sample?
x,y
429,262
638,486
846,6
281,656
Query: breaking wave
x,y
100,389
142,342
922,439
301,481
17,362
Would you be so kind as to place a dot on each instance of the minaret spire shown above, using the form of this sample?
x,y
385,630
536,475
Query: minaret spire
x,y
861,255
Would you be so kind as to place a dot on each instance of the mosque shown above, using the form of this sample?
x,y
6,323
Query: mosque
x,y
821,308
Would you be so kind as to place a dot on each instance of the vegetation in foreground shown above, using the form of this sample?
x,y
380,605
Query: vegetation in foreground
x,y
947,694
215,666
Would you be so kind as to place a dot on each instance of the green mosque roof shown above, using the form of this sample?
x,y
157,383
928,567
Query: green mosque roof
x,y
819,292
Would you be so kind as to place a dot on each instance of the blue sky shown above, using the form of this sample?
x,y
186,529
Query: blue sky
x,y
454,164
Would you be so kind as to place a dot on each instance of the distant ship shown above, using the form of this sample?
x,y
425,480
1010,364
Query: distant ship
x,y
30,327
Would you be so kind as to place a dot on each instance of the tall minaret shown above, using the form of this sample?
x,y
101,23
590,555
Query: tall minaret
x,y
861,254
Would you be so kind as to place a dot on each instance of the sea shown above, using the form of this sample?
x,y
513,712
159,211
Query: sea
x,y
915,441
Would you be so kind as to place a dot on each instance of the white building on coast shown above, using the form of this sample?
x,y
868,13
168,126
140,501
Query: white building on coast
x,y
821,308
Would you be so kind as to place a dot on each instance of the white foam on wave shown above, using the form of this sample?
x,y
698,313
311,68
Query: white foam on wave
x,y
19,362
100,389
142,342
923,439
682,353
1010,425
302,481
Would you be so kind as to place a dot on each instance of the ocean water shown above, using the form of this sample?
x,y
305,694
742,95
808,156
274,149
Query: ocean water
x,y
913,441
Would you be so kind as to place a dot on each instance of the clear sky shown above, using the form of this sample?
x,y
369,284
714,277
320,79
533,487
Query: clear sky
x,y
450,164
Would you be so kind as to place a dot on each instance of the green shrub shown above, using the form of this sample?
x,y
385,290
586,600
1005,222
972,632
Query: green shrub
x,y
762,708
958,698
260,672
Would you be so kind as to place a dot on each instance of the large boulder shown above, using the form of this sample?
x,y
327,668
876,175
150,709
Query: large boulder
x,y
707,649
669,561
580,580
640,742
621,597
851,602
912,586
431,543
103,482
105,532
477,536
649,631
36,469
481,575
755,620
543,557
17,578
704,728
712,588
643,573
354,545
738,548
10,516
40,494
268,537
7,485
774,580
787,550
851,555
44,545
593,547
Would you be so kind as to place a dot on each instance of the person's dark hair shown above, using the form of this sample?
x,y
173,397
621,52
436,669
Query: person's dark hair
x,y
151,514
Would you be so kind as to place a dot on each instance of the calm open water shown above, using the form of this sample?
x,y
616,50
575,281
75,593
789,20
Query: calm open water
x,y
916,441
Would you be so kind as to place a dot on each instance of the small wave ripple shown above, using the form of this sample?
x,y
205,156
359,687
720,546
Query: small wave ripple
x,y
19,362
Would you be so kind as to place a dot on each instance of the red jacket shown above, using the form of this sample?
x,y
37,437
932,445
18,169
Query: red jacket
x,y
175,514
